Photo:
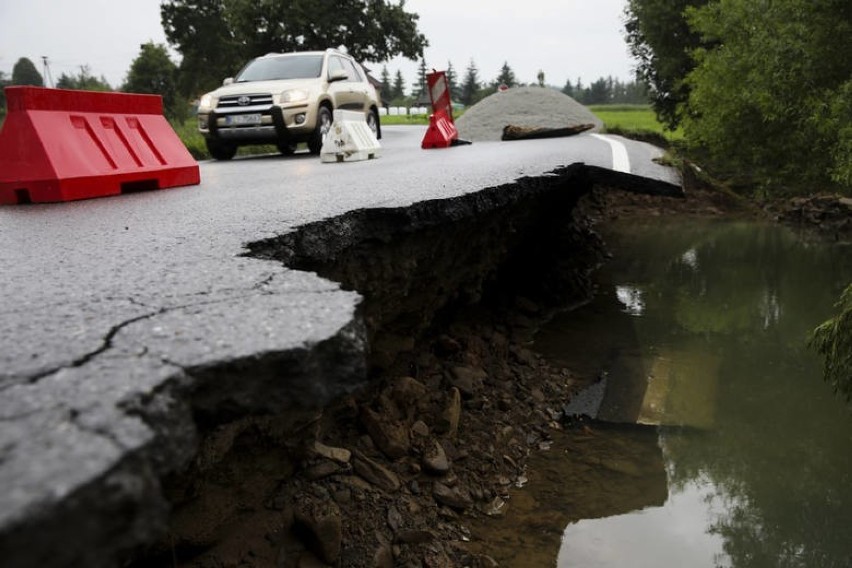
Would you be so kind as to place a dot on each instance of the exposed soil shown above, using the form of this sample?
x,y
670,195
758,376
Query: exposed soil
x,y
395,474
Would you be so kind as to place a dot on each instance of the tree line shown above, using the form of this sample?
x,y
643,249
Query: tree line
x,y
471,89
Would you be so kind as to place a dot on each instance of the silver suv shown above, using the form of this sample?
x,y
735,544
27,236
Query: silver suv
x,y
285,99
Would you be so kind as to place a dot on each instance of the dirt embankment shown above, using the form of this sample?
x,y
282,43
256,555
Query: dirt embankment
x,y
392,475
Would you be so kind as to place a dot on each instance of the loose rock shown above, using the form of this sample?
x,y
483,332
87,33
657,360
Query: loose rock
x,y
375,473
435,460
390,437
321,521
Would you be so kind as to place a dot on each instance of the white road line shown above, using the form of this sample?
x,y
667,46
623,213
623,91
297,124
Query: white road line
x,y
620,158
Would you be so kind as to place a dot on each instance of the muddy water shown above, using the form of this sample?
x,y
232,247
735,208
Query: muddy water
x,y
717,443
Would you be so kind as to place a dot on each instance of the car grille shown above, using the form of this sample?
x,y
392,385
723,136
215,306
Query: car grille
x,y
239,102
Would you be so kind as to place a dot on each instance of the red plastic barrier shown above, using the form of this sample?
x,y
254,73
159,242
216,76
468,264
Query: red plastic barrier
x,y
59,145
442,132
439,93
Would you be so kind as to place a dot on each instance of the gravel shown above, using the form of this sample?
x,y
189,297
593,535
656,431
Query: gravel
x,y
533,107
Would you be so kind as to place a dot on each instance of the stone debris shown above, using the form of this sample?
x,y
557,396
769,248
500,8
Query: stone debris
x,y
435,461
526,109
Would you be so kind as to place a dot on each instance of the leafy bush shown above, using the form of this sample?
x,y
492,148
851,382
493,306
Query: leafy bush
x,y
769,97
833,340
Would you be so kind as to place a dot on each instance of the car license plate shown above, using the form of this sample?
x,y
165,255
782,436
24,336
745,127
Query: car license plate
x,y
242,119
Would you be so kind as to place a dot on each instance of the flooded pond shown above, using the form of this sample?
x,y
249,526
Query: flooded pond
x,y
716,442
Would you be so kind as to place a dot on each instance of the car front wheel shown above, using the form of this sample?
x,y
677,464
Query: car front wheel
x,y
221,150
374,124
324,119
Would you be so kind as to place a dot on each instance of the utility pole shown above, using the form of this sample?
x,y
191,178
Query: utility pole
x,y
48,79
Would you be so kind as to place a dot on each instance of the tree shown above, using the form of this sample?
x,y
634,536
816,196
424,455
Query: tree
x,y
215,37
386,81
83,81
769,98
470,86
25,73
398,91
599,92
833,340
568,89
200,32
421,79
453,82
153,72
506,76
661,40
3,82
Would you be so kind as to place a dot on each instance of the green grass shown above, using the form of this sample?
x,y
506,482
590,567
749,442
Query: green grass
x,y
419,119
188,133
633,120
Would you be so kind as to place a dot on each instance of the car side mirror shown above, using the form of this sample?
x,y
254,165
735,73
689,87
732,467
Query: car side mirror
x,y
227,81
337,75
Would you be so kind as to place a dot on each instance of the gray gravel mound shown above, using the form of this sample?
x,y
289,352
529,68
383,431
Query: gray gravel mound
x,y
532,107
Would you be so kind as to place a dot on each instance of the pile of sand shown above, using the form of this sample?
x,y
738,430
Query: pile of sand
x,y
531,107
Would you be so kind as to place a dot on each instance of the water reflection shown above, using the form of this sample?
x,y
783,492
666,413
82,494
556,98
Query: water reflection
x,y
671,535
699,330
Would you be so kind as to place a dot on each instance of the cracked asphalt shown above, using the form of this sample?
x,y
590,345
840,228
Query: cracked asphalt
x,y
112,305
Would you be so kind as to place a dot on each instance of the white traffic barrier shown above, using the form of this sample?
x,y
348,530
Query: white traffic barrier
x,y
394,111
383,111
349,139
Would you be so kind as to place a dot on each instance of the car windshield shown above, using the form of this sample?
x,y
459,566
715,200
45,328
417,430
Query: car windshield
x,y
282,67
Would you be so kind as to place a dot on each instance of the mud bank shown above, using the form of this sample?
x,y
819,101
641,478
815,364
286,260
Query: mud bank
x,y
455,400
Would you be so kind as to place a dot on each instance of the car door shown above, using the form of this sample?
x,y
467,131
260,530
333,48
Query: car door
x,y
360,86
346,93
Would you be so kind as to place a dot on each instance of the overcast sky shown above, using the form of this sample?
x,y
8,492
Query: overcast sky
x,y
564,38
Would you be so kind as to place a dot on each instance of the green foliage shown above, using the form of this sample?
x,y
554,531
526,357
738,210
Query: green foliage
x,y
769,96
453,82
398,90
386,81
153,72
4,81
470,86
25,73
661,40
506,76
215,37
420,89
83,81
187,131
608,91
200,32
833,340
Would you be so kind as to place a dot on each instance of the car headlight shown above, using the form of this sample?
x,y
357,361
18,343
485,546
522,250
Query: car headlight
x,y
294,96
206,103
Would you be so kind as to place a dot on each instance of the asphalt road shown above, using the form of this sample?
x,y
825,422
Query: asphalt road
x,y
106,300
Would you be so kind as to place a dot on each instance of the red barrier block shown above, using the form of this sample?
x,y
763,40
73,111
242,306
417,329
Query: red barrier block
x,y
60,145
442,132
439,93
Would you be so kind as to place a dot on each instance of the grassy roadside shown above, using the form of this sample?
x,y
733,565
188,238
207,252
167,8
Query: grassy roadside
x,y
634,121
